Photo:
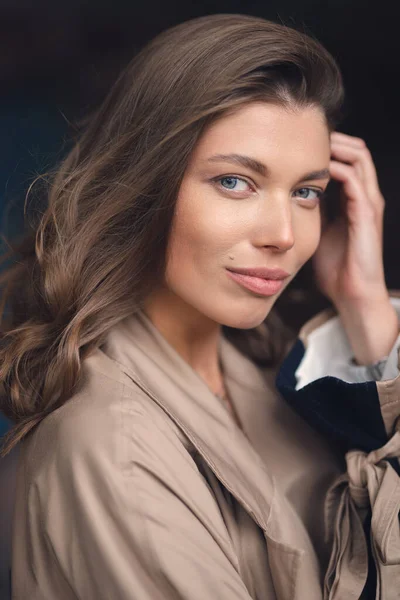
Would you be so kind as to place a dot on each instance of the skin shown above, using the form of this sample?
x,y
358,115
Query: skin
x,y
229,215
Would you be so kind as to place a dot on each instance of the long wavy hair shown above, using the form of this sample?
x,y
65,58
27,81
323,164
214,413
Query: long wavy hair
x,y
99,245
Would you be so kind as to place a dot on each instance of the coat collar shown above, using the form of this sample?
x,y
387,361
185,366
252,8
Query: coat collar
x,y
156,367
152,364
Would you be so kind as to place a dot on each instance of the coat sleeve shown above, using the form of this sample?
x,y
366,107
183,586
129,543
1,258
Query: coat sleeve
x,y
360,414
329,354
129,517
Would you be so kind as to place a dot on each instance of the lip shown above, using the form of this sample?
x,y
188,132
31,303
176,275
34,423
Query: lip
x,y
261,272
266,282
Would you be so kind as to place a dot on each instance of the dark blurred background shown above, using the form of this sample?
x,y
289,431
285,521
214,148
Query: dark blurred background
x,y
58,60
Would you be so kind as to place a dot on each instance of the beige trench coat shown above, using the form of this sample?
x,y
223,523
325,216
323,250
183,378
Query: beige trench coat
x,y
142,487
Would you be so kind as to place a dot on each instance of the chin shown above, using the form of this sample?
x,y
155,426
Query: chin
x,y
246,317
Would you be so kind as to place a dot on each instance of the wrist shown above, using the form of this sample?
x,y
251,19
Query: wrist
x,y
372,328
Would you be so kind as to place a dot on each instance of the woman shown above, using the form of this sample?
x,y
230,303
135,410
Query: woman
x,y
156,459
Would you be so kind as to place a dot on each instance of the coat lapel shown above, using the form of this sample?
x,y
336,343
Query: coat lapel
x,y
153,364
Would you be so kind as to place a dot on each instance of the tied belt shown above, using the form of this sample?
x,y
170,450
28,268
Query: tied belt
x,y
370,485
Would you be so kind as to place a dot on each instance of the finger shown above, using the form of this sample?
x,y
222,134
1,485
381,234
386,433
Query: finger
x,y
347,176
357,207
350,140
352,186
335,151
362,160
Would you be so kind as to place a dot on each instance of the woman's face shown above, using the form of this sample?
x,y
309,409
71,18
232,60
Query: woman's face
x,y
235,213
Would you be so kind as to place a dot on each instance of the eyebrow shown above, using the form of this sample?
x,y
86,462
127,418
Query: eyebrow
x,y
260,168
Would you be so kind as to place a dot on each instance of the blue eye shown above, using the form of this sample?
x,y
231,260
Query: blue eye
x,y
304,193
231,183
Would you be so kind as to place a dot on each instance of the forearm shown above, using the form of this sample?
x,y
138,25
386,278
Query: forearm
x,y
371,327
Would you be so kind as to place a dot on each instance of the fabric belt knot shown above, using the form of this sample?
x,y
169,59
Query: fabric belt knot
x,y
370,485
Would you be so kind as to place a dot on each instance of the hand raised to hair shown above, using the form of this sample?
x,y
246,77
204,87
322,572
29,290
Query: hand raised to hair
x,y
349,262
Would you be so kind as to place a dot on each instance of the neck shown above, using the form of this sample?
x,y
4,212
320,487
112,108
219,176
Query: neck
x,y
193,335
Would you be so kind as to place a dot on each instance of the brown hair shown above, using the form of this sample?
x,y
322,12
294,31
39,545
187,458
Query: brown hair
x,y
99,247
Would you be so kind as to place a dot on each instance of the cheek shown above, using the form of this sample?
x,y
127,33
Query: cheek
x,y
308,234
199,235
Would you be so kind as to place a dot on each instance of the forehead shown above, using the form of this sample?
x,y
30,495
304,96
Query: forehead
x,y
269,133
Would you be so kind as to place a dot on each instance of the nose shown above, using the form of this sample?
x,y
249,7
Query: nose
x,y
275,226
